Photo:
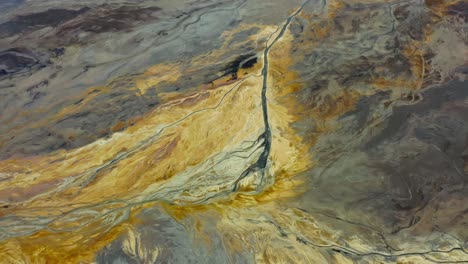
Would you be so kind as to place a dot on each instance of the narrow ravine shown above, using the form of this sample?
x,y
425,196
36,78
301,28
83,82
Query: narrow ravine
x,y
262,161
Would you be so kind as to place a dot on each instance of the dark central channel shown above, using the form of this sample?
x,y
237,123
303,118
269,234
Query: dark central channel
x,y
266,135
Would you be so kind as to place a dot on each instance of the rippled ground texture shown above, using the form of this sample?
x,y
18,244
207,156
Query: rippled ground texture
x,y
233,131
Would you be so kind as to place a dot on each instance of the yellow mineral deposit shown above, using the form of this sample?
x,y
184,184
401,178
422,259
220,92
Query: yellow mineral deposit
x,y
197,156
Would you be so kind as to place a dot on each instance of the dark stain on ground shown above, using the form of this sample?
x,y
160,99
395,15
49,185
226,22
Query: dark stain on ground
x,y
99,117
32,22
249,63
459,9
104,18
107,19
15,60
241,62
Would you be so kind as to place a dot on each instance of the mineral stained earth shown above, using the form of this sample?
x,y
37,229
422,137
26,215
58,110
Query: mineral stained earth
x,y
233,131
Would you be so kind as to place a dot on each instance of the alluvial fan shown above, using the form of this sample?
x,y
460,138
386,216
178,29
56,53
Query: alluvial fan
x,y
233,131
